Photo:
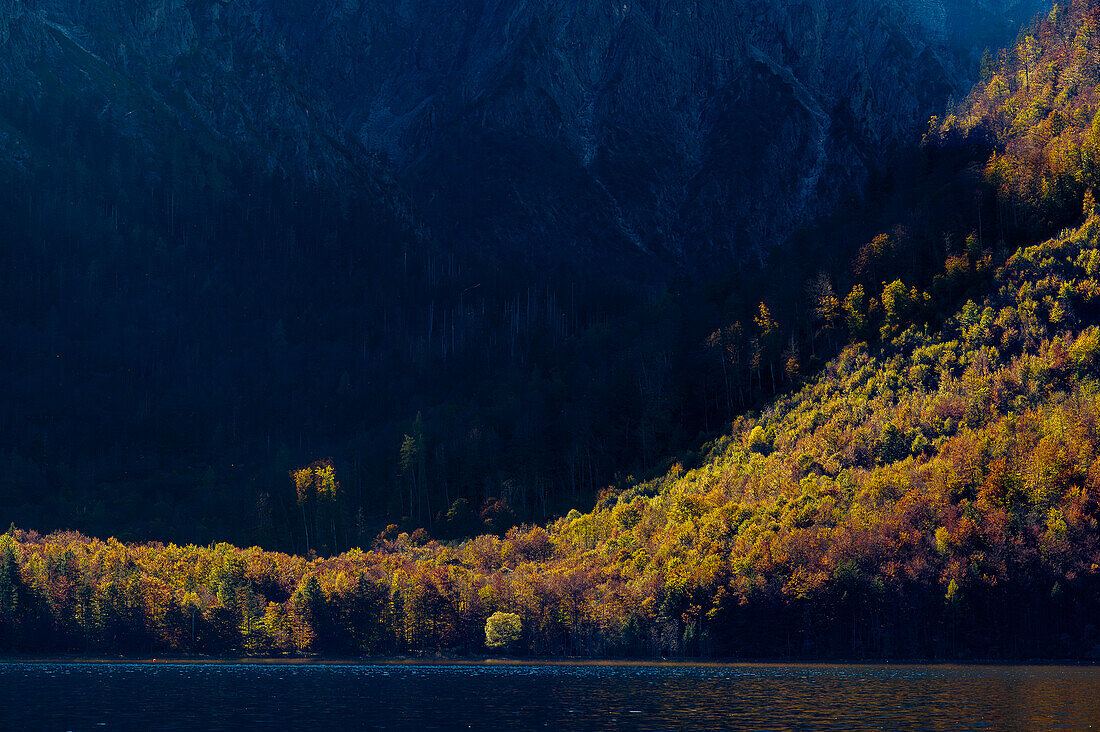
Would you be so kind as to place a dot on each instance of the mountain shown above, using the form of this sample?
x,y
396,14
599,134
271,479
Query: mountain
x,y
473,262
691,133
931,492
570,127
207,67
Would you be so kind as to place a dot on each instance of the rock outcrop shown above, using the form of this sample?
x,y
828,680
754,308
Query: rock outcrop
x,y
681,129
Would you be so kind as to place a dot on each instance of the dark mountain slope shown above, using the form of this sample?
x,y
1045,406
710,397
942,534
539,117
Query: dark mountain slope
x,y
241,237
205,64
197,298
933,492
710,129
683,132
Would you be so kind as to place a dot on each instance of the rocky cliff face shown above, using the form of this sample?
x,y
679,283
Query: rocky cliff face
x,y
680,129
210,67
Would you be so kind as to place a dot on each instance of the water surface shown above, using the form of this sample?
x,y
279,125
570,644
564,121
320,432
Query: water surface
x,y
69,696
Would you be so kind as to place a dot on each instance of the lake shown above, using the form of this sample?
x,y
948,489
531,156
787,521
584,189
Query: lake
x,y
105,696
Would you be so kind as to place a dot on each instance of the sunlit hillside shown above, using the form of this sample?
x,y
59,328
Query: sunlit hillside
x,y
932,490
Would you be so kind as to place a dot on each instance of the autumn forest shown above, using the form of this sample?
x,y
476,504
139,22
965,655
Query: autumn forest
x,y
883,442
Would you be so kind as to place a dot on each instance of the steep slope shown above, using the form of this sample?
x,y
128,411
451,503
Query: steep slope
x,y
213,271
934,498
207,283
933,492
167,223
688,132
572,129
210,67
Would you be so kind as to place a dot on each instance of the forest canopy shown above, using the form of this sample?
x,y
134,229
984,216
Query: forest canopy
x,y
922,478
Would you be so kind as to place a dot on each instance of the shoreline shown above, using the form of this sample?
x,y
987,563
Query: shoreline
x,y
488,661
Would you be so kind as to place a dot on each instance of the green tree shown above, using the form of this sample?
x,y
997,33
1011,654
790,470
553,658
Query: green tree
x,y
413,459
824,307
503,630
726,343
856,312
318,494
9,579
769,335
307,603
897,306
987,68
790,361
1028,52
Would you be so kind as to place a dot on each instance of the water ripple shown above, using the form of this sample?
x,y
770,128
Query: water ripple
x,y
119,696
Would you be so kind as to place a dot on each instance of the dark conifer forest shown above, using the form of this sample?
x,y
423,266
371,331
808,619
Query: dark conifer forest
x,y
877,439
